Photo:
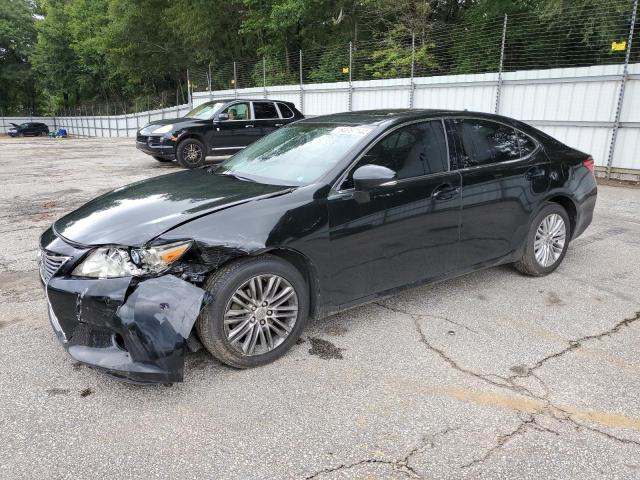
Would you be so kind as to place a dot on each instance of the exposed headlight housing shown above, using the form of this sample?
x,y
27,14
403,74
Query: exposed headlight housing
x,y
114,262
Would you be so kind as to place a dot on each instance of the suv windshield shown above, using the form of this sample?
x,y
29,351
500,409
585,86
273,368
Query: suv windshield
x,y
205,111
295,155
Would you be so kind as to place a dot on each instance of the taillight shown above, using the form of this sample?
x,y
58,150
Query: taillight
x,y
590,164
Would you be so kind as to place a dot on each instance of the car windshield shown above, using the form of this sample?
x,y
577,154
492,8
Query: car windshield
x,y
205,111
295,155
24,125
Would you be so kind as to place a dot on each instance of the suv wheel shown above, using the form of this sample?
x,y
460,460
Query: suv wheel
x,y
260,308
191,153
547,241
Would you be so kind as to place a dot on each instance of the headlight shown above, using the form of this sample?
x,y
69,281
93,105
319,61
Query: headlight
x,y
163,129
156,129
112,262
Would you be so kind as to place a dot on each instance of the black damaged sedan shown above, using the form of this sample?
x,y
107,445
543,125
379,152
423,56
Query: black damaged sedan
x,y
317,217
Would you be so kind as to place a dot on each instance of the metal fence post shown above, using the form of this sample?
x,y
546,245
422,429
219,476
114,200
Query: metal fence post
x,y
301,89
501,65
413,65
148,110
189,101
264,76
350,105
4,128
235,79
623,84
115,111
209,81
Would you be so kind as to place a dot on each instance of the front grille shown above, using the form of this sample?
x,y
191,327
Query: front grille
x,y
141,138
50,264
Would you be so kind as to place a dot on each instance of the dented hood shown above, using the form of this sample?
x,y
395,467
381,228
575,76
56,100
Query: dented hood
x,y
134,214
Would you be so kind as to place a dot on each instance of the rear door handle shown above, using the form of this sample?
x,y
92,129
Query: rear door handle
x,y
278,124
248,126
445,192
535,172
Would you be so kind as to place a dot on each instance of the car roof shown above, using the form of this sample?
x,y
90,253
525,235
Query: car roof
x,y
398,115
227,100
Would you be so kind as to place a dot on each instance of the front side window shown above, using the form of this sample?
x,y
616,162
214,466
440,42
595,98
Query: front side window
x,y
238,111
484,142
285,110
205,111
264,110
295,155
411,151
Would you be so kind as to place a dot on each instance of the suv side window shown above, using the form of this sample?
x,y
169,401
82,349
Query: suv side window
x,y
484,142
238,111
411,151
264,110
285,110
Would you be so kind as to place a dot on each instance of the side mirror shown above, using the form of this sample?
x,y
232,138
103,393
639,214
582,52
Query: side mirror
x,y
370,176
222,117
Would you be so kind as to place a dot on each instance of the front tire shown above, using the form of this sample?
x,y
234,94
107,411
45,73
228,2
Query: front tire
x,y
547,241
191,153
259,309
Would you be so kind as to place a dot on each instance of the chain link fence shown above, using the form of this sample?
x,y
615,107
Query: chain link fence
x,y
492,51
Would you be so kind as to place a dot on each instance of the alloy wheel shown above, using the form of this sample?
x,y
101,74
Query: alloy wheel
x,y
550,239
260,315
192,153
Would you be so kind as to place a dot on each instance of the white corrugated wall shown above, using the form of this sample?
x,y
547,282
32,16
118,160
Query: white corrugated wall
x,y
576,105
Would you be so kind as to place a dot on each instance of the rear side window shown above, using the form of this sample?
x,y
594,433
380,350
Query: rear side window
x,y
411,151
264,110
285,110
484,142
527,145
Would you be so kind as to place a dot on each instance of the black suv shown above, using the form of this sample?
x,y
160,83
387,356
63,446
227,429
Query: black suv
x,y
221,127
29,128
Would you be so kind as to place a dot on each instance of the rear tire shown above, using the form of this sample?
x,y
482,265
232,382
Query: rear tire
x,y
276,326
547,241
163,160
191,153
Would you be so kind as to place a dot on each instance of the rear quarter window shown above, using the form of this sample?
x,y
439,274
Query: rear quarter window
x,y
285,110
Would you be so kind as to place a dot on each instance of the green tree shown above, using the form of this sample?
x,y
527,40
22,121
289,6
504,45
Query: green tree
x,y
17,37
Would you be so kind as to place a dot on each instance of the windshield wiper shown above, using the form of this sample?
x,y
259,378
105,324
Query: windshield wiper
x,y
239,177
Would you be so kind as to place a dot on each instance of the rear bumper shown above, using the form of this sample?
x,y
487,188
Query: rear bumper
x,y
135,330
157,147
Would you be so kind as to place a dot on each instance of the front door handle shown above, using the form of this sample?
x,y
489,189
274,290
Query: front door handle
x,y
278,124
248,126
445,192
535,172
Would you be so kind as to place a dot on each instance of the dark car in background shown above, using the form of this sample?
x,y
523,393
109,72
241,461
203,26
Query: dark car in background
x,y
320,216
28,128
222,127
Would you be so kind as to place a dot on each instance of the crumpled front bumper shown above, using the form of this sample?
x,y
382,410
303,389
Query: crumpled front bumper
x,y
133,329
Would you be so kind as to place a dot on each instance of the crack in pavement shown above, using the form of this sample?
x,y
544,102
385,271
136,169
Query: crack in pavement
x,y
401,465
503,439
575,344
545,406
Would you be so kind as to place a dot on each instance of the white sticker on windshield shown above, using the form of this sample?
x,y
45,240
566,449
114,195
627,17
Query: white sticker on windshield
x,y
358,131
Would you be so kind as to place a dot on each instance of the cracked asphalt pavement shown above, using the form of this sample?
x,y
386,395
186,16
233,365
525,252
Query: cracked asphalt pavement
x,y
490,375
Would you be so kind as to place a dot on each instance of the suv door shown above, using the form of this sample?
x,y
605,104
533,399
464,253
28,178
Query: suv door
x,y
407,231
266,116
504,174
235,133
